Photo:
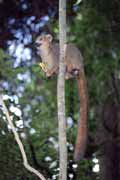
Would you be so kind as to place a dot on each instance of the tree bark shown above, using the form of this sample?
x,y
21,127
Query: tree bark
x,y
61,92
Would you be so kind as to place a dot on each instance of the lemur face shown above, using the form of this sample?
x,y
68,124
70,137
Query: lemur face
x,y
43,40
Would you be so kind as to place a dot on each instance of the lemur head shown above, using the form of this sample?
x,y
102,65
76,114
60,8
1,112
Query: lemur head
x,y
43,40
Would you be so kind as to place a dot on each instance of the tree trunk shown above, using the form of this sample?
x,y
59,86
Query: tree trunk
x,y
110,148
61,92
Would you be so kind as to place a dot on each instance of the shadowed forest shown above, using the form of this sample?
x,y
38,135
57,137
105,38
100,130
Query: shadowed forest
x,y
94,27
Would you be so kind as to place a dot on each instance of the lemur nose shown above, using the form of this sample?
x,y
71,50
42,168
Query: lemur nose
x,y
37,44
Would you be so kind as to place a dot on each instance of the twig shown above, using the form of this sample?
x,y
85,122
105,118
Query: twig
x,y
21,147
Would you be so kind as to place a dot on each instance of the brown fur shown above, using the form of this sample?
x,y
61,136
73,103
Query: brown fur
x,y
49,53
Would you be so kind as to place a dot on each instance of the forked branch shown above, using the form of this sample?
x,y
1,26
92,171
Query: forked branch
x,y
19,142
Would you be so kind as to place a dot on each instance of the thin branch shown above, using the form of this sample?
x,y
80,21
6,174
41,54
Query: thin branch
x,y
21,147
61,92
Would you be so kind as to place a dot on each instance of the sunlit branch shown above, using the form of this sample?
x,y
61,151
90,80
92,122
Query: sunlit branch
x,y
21,147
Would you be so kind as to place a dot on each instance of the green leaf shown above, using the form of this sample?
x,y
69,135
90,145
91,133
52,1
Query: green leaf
x,y
78,2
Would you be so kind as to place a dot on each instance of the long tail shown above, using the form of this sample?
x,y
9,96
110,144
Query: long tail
x,y
81,140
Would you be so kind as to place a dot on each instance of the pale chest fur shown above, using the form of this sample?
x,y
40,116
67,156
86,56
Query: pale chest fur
x,y
50,56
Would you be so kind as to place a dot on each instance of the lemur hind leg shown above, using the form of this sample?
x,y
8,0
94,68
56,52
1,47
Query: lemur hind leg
x,y
71,71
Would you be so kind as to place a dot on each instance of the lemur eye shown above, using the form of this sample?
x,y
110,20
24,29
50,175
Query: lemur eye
x,y
40,39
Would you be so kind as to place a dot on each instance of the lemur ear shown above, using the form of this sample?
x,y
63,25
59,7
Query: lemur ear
x,y
49,37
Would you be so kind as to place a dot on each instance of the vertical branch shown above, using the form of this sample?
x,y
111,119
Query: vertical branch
x,y
21,147
61,92
114,84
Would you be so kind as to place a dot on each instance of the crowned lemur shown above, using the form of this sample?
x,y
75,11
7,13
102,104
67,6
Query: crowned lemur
x,y
49,52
